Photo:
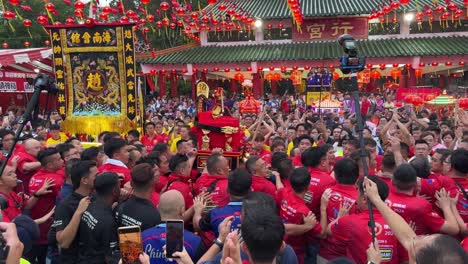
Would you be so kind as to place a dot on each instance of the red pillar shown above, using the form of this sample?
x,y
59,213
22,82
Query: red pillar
x,y
233,86
203,77
162,84
173,85
194,86
412,80
256,84
274,87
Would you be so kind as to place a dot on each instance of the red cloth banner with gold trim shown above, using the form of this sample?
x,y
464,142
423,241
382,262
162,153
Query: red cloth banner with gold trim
x,y
95,71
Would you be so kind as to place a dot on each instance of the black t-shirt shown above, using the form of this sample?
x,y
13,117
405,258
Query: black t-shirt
x,y
137,212
63,215
98,239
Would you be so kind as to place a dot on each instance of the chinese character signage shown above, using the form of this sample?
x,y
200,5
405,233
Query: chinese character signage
x,y
95,73
332,28
15,82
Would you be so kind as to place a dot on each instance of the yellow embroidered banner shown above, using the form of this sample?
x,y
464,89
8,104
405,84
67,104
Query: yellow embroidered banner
x,y
96,74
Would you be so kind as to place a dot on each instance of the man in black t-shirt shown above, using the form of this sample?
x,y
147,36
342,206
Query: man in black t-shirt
x,y
138,209
98,241
69,211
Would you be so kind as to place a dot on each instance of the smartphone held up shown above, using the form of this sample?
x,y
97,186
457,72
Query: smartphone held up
x,y
130,244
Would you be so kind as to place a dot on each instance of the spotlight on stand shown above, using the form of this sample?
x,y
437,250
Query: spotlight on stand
x,y
350,61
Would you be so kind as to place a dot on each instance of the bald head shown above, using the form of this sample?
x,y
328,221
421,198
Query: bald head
x,y
32,147
171,205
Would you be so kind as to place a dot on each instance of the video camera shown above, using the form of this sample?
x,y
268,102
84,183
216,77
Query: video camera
x,y
350,61
44,82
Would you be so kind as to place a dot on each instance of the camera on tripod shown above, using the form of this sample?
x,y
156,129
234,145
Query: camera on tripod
x,y
350,61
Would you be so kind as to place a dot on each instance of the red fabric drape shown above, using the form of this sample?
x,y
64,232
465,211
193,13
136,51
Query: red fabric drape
x,y
194,86
256,84
274,87
162,84
173,85
150,82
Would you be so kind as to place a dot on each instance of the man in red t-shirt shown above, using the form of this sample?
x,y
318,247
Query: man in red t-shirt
x,y
179,179
418,210
346,174
258,148
257,167
293,210
149,139
352,231
320,180
304,142
116,150
27,164
214,180
51,165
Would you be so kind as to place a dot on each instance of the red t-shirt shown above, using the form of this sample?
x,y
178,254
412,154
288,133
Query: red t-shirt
x,y
416,209
464,244
297,161
181,184
388,181
47,201
15,206
120,170
161,184
260,184
292,209
319,182
352,232
340,193
365,105
23,175
155,199
219,194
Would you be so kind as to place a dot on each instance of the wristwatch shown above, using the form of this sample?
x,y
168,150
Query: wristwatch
x,y
218,242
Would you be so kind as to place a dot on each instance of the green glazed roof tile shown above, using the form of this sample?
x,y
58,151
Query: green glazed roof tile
x,y
316,50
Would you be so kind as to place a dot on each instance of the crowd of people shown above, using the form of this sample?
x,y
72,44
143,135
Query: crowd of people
x,y
300,194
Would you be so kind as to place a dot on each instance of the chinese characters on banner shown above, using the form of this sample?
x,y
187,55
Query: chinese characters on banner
x,y
332,28
95,72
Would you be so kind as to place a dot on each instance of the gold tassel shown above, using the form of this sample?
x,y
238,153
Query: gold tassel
x,y
93,125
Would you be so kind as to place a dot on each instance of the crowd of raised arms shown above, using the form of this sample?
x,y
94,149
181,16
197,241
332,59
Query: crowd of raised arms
x,y
300,194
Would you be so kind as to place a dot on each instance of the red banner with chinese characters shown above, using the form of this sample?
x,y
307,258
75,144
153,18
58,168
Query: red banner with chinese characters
x,y
402,92
332,28
11,81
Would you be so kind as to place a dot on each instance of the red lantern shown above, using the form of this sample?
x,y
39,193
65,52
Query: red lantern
x,y
103,16
382,66
249,68
27,44
369,66
205,70
395,5
336,76
276,76
42,19
452,7
205,19
272,68
269,77
227,70
422,64
404,2
461,63
172,25
280,26
295,68
50,7
212,2
47,42
166,22
194,15
27,23
150,18
307,67
57,23
180,11
106,10
70,21
375,74
164,6
429,12
158,24
398,104
283,68
435,63
5,45
418,73
408,66
395,65
231,11
79,5
163,71
146,30
396,74
79,13
440,9
215,69
448,63
124,19
239,77
14,2
9,14
145,2
332,68
387,9
222,7
463,103
184,71
259,68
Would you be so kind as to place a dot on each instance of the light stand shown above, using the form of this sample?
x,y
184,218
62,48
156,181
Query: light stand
x,y
41,82
352,64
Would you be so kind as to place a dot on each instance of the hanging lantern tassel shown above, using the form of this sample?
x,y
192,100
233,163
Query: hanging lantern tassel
x,y
50,16
18,14
11,26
